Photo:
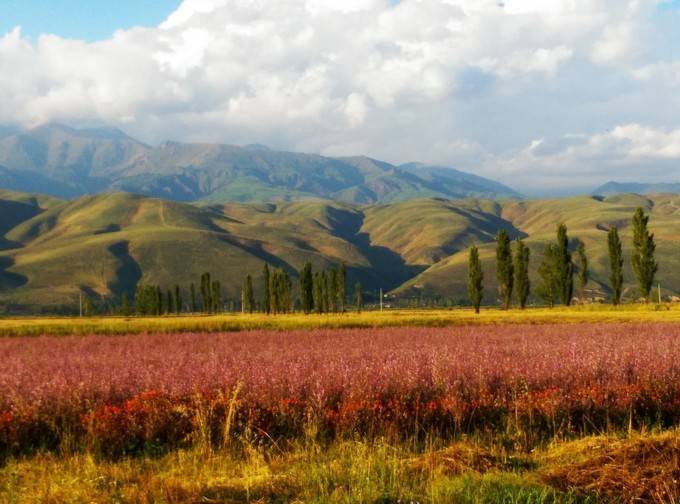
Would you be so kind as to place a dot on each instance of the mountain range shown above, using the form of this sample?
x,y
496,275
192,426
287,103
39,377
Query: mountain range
x,y
51,248
611,188
66,162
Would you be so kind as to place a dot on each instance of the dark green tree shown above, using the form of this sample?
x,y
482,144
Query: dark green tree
x,y
192,298
266,290
475,279
564,267
324,293
170,306
547,287
582,272
358,298
125,305
88,306
504,268
159,301
216,297
306,288
521,270
318,292
206,293
178,300
341,281
248,295
615,265
644,264
332,286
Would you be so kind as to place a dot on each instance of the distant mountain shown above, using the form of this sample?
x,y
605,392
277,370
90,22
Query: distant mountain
x,y
68,162
611,188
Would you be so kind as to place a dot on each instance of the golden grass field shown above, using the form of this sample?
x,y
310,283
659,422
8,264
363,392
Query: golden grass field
x,y
638,313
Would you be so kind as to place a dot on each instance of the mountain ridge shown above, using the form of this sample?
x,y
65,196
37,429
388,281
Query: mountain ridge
x,y
69,162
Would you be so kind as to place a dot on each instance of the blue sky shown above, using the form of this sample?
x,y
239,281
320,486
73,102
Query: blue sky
x,y
82,19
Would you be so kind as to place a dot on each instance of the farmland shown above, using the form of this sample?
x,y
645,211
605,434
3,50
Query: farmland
x,y
433,414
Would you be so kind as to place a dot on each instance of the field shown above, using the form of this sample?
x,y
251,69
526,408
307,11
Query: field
x,y
574,412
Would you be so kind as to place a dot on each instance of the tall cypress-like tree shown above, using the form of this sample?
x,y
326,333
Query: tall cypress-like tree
x,y
358,298
216,297
206,292
266,293
615,265
332,289
306,288
158,308
192,298
178,300
324,292
317,291
644,264
125,305
248,295
170,306
504,268
475,279
342,279
582,272
564,267
274,291
547,288
521,267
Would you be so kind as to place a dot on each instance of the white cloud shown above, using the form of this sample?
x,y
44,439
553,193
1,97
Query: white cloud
x,y
466,82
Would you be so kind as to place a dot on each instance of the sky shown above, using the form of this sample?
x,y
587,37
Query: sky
x,y
547,96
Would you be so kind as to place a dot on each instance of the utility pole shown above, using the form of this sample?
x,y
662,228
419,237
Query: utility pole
x,y
381,299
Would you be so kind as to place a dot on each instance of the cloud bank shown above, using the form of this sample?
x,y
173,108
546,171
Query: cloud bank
x,y
540,94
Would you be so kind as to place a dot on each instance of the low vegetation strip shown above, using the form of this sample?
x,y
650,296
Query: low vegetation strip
x,y
55,326
524,385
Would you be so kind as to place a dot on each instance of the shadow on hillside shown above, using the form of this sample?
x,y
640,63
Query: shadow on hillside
x,y
128,273
9,280
388,269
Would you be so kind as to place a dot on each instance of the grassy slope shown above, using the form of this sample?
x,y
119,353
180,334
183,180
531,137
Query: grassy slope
x,y
106,243
588,219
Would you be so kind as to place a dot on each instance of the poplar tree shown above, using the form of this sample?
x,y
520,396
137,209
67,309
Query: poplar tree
x,y
358,299
206,292
248,295
475,279
318,292
582,272
342,279
324,292
504,268
170,306
306,288
547,287
192,296
644,264
159,301
216,297
178,300
274,291
332,286
125,305
521,270
615,265
564,267
266,295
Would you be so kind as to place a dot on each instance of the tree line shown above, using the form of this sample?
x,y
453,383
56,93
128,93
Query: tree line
x,y
559,268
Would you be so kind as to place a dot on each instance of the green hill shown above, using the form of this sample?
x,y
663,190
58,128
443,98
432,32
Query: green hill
x,y
50,249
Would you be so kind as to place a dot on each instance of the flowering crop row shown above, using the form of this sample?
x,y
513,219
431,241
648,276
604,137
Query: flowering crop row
x,y
131,393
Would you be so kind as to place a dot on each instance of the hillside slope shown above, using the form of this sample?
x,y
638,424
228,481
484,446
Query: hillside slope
x,y
51,249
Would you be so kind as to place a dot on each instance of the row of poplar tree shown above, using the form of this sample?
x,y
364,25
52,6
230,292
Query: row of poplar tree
x,y
558,267
319,292
151,300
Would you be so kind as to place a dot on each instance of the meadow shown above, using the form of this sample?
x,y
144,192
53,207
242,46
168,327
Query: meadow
x,y
576,412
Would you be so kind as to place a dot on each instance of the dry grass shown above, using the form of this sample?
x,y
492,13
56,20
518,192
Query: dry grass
x,y
29,326
640,469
